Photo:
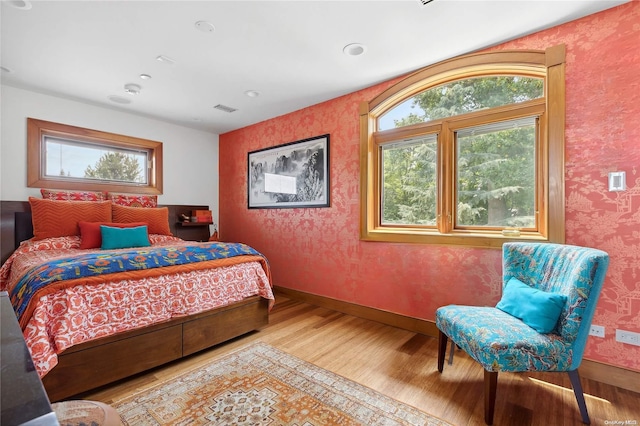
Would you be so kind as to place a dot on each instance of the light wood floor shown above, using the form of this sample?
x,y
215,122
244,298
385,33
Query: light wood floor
x,y
402,365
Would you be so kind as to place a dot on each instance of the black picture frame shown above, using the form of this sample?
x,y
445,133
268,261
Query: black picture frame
x,y
291,175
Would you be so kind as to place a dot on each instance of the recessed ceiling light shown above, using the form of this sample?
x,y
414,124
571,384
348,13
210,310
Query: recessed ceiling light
x,y
132,89
252,93
145,76
5,69
205,27
354,49
165,59
119,99
20,4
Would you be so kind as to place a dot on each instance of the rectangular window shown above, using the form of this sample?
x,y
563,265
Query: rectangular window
x,y
409,181
67,157
496,175
73,160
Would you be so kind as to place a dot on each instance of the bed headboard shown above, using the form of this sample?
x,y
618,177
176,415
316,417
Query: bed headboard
x,y
16,225
24,227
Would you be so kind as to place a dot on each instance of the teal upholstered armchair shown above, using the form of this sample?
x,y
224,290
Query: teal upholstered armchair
x,y
550,292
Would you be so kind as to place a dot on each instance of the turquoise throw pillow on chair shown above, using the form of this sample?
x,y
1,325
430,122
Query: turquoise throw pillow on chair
x,y
538,309
115,238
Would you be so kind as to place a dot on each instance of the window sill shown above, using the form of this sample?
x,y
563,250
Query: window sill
x,y
458,238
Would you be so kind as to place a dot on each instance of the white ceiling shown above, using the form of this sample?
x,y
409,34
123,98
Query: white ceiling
x,y
289,51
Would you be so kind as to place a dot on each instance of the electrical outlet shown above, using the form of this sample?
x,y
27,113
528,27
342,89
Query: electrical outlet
x,y
596,330
629,337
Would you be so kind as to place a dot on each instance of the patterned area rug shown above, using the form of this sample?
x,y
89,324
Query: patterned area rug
x,y
261,385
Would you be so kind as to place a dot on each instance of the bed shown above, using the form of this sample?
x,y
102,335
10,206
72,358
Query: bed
x,y
94,316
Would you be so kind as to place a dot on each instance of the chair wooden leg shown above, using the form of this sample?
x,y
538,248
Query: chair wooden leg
x,y
451,351
490,386
577,390
442,349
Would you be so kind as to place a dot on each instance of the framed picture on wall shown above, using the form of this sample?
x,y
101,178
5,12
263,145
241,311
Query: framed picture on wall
x,y
294,174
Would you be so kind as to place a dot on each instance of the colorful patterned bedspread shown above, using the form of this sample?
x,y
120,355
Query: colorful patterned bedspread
x,y
111,262
72,311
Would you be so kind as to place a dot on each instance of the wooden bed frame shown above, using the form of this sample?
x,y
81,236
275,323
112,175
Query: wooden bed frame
x,y
92,364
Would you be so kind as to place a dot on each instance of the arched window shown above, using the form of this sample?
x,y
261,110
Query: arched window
x,y
469,152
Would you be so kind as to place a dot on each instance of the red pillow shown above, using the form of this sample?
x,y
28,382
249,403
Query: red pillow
x,y
64,195
133,200
91,237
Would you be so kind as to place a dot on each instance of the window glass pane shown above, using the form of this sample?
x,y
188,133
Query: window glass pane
x,y
81,160
495,184
409,177
460,97
403,114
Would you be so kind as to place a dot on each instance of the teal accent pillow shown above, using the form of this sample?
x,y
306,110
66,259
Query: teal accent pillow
x,y
538,309
115,238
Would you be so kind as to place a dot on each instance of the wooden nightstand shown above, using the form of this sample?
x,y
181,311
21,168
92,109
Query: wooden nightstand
x,y
190,231
193,231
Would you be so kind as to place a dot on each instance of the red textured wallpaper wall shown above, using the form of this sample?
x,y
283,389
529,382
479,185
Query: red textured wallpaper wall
x,y
319,250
